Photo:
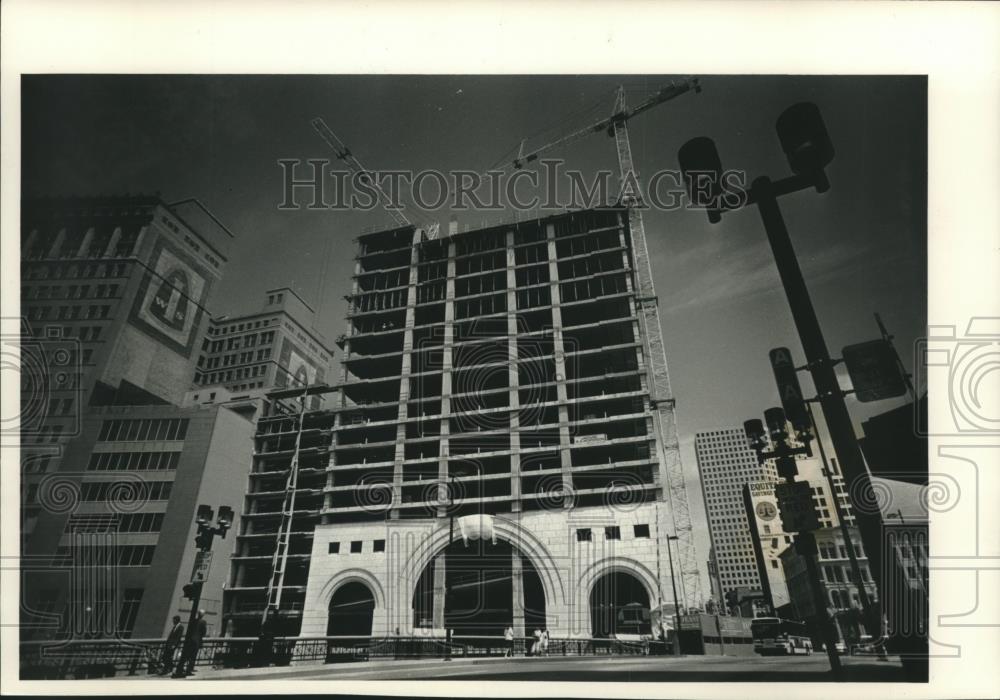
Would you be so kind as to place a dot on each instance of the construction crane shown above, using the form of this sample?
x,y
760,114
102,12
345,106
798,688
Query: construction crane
x,y
344,153
661,396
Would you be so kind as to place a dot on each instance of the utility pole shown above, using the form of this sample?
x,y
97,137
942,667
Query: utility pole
x,y
809,150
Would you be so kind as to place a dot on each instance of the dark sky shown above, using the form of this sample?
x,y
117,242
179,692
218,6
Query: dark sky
x,y
862,245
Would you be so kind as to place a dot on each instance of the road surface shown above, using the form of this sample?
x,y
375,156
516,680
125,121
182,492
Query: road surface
x,y
813,668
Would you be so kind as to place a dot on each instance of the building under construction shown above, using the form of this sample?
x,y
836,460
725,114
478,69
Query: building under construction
x,y
492,455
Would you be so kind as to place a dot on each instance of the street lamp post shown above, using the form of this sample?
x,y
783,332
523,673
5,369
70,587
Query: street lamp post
x,y
809,150
673,586
203,540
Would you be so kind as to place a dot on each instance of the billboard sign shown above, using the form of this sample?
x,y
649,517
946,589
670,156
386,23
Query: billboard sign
x,y
171,297
298,369
769,539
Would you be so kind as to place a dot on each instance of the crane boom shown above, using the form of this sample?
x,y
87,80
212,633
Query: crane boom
x,y
620,116
344,153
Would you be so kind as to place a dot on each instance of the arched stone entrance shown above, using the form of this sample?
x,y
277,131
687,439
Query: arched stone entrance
x,y
546,595
619,604
351,610
640,587
480,587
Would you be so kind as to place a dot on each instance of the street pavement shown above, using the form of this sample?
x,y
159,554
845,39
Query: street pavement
x,y
813,668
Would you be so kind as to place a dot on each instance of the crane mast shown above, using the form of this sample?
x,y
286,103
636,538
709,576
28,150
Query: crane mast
x,y
671,474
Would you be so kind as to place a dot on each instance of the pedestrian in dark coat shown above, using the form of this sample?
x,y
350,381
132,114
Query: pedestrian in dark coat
x,y
174,639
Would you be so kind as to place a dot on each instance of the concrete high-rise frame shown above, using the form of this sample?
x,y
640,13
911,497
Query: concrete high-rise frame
x,y
497,376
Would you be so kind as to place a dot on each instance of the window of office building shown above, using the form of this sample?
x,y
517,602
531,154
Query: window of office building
x,y
144,429
129,611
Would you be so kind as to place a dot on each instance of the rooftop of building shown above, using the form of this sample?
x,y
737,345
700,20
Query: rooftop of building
x,y
191,212
404,234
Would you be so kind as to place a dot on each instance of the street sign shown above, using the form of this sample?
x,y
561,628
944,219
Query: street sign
x,y
202,565
795,503
874,371
788,388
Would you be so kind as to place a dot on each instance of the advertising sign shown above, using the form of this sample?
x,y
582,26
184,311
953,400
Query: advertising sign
x,y
299,370
768,538
170,299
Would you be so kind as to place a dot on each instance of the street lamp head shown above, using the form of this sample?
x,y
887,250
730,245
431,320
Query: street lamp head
x,y
204,515
702,171
804,140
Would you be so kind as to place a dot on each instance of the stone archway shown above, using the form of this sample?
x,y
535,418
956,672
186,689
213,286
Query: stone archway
x,y
491,528
589,578
619,604
351,611
480,588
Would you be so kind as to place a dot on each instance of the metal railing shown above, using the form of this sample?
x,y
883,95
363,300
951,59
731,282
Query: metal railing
x,y
77,659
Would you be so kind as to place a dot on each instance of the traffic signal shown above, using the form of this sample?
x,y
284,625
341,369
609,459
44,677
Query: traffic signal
x,y
203,539
702,171
190,591
789,389
754,430
804,139
775,419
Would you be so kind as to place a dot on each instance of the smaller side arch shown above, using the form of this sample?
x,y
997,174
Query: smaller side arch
x,y
352,575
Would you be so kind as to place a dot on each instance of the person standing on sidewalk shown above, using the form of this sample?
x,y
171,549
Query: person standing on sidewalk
x,y
192,647
174,640
264,653
508,635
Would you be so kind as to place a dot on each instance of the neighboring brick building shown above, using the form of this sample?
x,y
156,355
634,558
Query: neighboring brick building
x,y
138,474
246,356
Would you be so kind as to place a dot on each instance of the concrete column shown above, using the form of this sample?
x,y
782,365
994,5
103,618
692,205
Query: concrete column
x,y
29,243
439,591
113,242
404,380
84,248
517,593
57,244
559,350
138,240
446,359
513,379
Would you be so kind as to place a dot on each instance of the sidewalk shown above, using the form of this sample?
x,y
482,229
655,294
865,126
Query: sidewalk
x,y
350,667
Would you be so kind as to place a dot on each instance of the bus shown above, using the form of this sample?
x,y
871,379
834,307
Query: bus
x,y
772,635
